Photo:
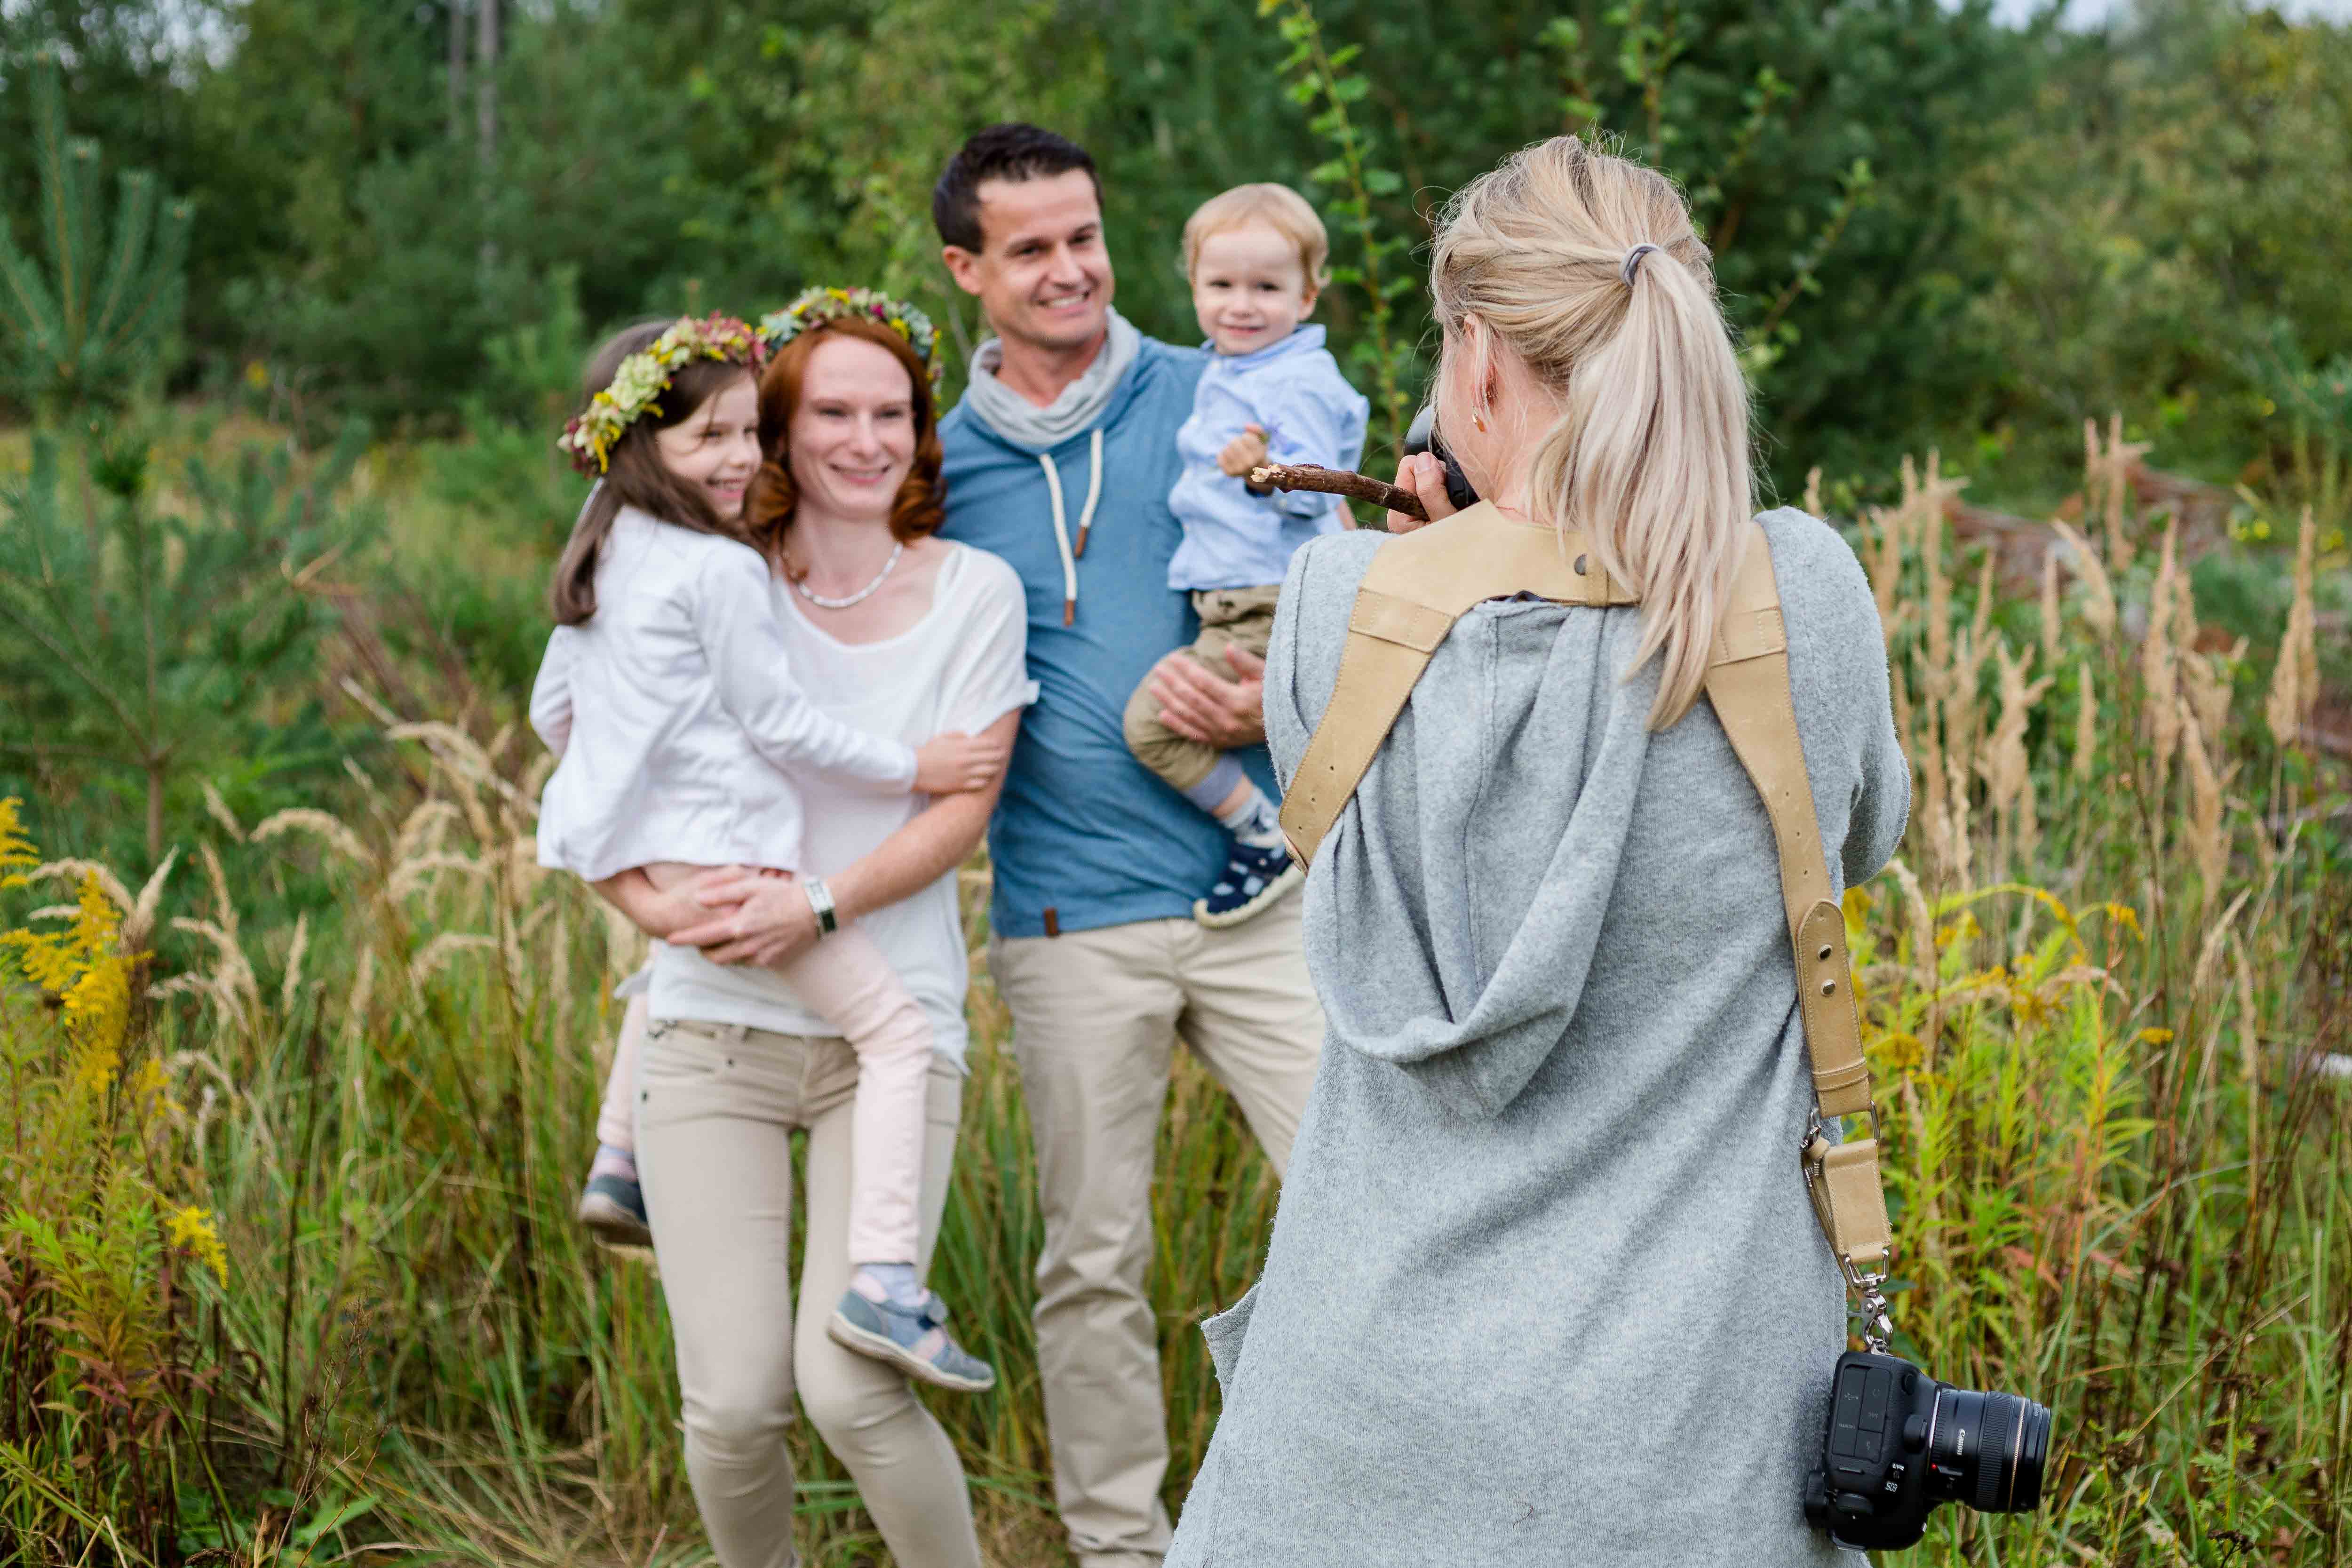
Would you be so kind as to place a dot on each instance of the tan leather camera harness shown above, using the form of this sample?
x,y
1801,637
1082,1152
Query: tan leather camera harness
x,y
1419,583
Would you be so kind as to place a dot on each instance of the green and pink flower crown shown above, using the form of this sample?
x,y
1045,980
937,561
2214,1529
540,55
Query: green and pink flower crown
x,y
778,327
645,375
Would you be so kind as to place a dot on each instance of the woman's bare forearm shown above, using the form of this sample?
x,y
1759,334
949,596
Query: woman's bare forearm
x,y
940,838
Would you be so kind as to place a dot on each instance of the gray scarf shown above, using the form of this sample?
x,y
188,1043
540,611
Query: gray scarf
x,y
1025,423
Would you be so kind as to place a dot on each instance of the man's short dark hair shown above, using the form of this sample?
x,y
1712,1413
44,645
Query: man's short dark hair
x,y
1009,152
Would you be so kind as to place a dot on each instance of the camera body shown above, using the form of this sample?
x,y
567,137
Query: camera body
x,y
1899,1443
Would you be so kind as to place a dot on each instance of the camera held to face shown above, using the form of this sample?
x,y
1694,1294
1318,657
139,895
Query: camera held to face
x,y
1422,438
1899,1443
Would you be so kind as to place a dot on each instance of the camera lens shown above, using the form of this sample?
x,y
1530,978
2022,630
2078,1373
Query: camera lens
x,y
1987,1450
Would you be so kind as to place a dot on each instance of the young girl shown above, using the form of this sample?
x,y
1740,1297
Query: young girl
x,y
669,672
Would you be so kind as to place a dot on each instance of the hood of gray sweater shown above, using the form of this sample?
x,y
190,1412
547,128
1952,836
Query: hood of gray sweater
x,y
1080,404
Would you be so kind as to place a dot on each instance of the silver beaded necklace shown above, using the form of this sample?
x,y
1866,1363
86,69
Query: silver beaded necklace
x,y
814,597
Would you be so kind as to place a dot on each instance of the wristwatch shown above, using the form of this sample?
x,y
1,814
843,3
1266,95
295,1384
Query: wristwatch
x,y
820,898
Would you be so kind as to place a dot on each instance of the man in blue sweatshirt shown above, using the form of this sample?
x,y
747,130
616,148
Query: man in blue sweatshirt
x,y
1060,459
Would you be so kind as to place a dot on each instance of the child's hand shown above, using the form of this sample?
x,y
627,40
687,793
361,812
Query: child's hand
x,y
953,764
1243,452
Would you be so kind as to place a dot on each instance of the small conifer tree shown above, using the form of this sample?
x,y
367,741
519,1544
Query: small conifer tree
x,y
85,326
160,645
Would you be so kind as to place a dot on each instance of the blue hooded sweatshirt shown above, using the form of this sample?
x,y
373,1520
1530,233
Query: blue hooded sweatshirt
x,y
1085,836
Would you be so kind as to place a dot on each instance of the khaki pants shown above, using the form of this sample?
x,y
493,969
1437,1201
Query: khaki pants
x,y
715,1107
1096,1015
846,981
1230,618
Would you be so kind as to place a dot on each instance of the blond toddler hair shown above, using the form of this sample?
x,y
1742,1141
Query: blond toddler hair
x,y
1278,207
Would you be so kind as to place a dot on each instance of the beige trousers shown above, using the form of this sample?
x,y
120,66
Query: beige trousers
x,y
715,1107
616,1122
1230,617
845,980
1096,1015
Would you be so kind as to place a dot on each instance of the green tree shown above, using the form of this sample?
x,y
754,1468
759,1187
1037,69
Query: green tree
x,y
201,622
2165,234
90,326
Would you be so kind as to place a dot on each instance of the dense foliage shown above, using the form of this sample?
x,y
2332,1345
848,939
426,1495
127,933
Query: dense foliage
x,y
299,1054
1927,222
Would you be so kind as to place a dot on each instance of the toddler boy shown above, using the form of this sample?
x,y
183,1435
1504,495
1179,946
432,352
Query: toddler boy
x,y
1271,393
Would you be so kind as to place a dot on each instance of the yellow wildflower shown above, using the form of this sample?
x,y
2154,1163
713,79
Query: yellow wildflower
x,y
193,1228
16,853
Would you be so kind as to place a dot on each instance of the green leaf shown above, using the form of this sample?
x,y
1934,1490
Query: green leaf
x,y
1383,181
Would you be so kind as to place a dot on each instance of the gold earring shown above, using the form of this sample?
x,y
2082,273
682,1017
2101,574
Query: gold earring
x,y
1479,420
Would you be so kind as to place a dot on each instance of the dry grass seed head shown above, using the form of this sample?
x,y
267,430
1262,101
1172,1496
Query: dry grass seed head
x,y
2086,729
2050,630
2098,593
2159,683
322,825
2208,842
218,810
2294,683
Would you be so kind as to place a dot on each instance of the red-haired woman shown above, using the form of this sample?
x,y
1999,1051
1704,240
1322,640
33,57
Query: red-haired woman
x,y
899,634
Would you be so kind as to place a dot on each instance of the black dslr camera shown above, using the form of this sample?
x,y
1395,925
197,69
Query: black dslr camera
x,y
1900,1443
1422,437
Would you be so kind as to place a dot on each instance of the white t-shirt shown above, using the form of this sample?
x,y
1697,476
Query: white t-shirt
x,y
963,667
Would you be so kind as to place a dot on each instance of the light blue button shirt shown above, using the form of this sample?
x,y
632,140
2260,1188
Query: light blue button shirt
x,y
1292,390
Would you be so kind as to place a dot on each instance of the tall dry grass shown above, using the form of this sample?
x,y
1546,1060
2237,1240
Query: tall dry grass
x,y
2105,992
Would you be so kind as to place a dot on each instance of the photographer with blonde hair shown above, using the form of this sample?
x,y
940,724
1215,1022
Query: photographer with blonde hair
x,y
1545,1285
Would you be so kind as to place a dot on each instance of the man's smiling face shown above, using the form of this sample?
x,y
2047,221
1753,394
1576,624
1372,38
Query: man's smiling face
x,y
1042,273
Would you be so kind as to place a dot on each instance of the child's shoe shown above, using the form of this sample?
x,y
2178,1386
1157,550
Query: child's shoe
x,y
911,1337
1255,879
611,1205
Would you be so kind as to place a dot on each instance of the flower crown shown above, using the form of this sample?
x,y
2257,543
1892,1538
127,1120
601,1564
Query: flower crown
x,y
778,327
645,375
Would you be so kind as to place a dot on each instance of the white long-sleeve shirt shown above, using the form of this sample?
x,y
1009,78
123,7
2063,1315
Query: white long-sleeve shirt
x,y
677,719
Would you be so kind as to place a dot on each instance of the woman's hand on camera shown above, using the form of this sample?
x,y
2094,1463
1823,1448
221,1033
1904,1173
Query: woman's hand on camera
x,y
750,917
1424,476
953,764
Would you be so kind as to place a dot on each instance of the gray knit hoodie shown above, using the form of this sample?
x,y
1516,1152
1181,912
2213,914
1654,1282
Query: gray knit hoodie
x,y
1544,1286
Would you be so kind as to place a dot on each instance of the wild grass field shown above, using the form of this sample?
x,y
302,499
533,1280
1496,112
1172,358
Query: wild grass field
x,y
297,1106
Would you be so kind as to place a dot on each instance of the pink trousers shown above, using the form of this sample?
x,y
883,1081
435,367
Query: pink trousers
x,y
845,980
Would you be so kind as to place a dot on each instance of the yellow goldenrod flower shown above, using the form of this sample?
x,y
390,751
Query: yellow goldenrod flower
x,y
193,1228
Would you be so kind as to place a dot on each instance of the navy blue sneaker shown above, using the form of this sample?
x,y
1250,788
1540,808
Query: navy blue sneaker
x,y
613,1208
1253,880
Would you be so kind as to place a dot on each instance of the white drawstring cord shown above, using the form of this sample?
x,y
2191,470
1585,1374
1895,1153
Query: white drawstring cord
x,y
1062,524
1062,539
1094,491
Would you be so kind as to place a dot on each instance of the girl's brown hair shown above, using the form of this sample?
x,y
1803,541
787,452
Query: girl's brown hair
x,y
635,474
921,502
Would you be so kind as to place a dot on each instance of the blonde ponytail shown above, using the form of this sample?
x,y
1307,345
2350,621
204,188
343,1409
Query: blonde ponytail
x,y
1586,265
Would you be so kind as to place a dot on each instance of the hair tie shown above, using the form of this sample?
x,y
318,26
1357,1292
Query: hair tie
x,y
1633,260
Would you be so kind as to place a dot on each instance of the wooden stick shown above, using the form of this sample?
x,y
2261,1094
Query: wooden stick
x,y
1339,482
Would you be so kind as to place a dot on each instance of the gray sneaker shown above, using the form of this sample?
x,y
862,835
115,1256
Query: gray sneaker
x,y
613,1208
913,1340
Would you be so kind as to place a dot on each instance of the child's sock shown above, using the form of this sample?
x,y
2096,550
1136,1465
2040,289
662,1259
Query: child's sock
x,y
612,1162
892,1282
1254,822
1224,778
